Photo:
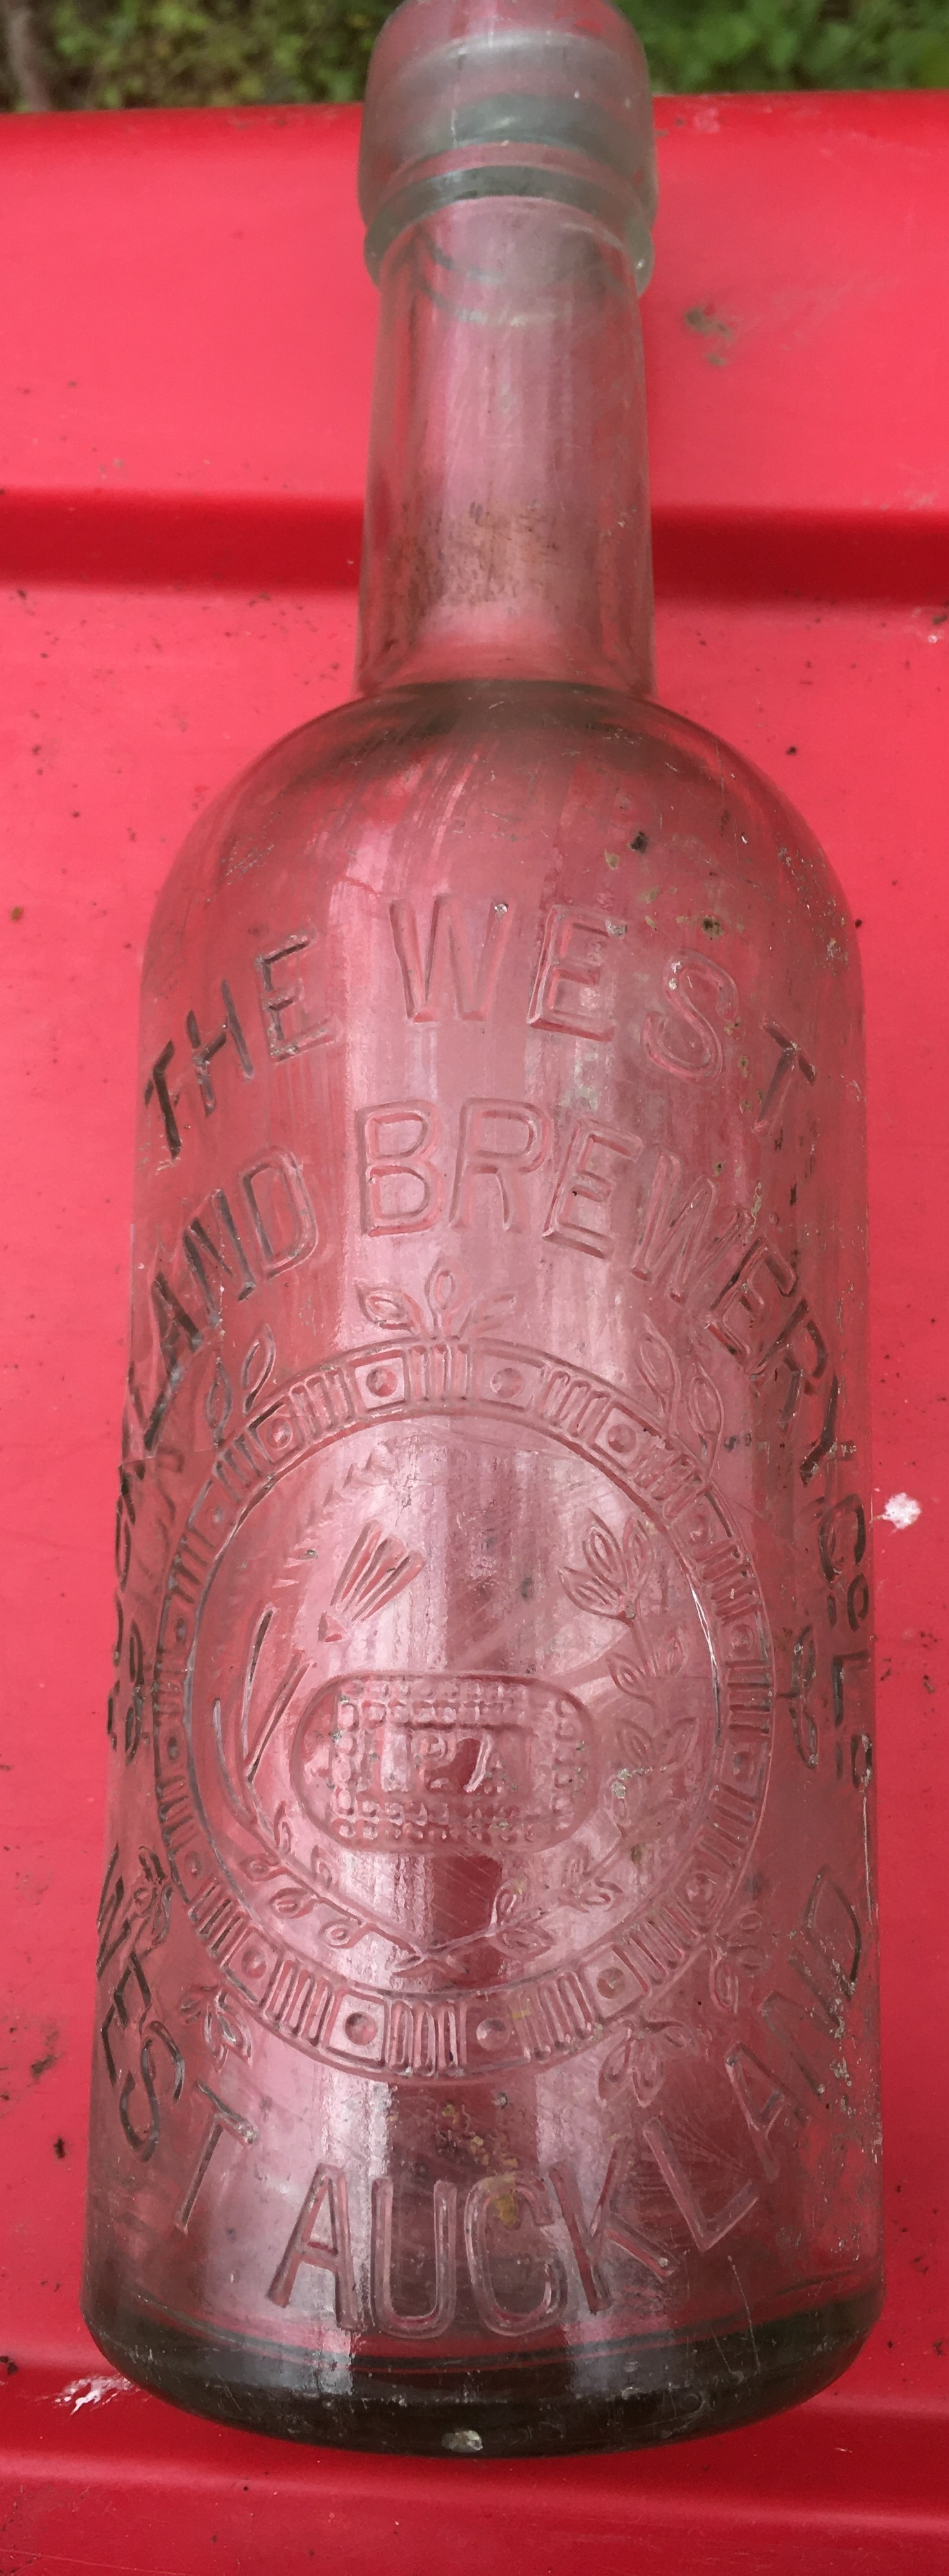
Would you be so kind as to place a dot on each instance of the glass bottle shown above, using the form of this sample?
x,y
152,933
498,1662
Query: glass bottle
x,y
486,2058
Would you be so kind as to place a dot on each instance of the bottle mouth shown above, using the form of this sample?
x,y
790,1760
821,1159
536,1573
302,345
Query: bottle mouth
x,y
519,98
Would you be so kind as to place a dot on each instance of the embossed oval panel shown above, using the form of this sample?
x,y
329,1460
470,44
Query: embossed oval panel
x,y
421,1761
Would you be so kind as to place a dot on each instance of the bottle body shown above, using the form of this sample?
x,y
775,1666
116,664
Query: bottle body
x,y
487,2028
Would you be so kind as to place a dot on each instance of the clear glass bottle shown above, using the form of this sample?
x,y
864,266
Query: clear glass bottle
x,y
486,2055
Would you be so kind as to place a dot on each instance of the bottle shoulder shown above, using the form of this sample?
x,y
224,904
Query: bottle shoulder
x,y
573,794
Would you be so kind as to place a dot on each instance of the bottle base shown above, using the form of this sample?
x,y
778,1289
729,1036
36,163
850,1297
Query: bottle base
x,y
622,2398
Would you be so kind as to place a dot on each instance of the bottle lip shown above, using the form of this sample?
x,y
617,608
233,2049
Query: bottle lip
x,y
543,98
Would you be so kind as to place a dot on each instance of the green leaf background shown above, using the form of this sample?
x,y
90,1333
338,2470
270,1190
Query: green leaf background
x,y
183,53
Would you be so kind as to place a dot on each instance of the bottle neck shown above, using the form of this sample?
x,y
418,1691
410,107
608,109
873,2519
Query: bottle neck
x,y
507,505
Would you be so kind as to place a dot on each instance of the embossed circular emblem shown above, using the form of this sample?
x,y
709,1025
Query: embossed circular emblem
x,y
462,1708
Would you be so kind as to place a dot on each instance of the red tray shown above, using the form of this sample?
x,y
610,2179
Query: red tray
x,y
185,364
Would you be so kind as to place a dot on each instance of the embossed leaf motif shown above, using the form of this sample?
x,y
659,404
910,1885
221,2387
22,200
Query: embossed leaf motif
x,y
526,1938
724,1986
615,2067
657,1364
489,1312
391,1308
670,1655
639,2058
603,1586
587,1594
150,1901
631,1677
218,1401
508,1901
519,1931
343,1931
224,2027
582,1884
635,1743
637,1559
646,2070
636,2060
234,2031
257,1364
449,1297
704,1412
749,1941
604,1555
615,1573
673,1744
281,1832
292,1901
742,1948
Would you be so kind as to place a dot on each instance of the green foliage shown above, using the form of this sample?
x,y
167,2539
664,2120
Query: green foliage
x,y
796,44
208,53
176,53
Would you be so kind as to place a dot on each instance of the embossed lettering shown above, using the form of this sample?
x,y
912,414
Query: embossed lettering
x,y
179,1337
763,2100
400,1186
675,1242
566,991
842,1539
157,1085
706,2226
221,1251
831,1931
283,994
448,959
684,1040
803,1677
202,1055
130,2003
797,2027
134,1707
328,2201
437,2319
801,1349
487,1147
790,1059
111,1902
505,2191
144,2142
826,1444
281,1211
842,1689
224,2121
842,1536
743,1305
589,2236
122,2012
583,1184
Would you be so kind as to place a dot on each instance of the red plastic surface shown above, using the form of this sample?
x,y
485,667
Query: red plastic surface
x,y
185,375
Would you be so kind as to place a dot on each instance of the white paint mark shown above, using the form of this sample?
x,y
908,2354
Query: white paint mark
x,y
92,2392
901,1511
